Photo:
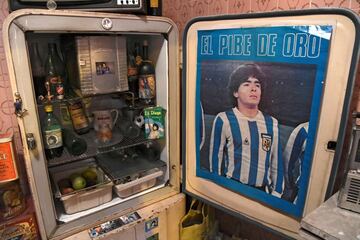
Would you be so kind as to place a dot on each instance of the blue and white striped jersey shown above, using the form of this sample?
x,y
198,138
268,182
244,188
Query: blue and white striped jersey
x,y
247,150
294,153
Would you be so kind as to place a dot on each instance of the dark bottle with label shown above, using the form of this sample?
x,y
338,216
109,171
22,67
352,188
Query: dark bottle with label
x,y
55,72
37,70
52,134
147,82
154,7
78,117
75,145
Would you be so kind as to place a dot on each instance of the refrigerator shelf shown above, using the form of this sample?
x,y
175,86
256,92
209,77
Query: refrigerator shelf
x,y
123,169
93,148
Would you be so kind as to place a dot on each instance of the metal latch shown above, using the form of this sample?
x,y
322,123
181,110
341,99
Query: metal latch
x,y
30,139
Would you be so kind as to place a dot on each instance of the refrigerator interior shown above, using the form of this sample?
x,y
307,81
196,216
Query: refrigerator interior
x,y
132,171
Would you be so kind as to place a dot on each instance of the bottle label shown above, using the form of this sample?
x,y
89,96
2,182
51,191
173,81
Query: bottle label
x,y
147,86
78,116
64,115
53,138
60,91
8,170
53,85
132,71
154,3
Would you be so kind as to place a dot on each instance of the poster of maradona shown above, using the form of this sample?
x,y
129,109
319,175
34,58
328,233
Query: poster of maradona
x,y
258,99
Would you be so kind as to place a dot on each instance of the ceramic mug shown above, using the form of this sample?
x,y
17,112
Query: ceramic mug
x,y
105,117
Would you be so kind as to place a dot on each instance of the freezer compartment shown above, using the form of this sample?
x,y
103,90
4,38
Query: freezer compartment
x,y
97,190
98,65
143,181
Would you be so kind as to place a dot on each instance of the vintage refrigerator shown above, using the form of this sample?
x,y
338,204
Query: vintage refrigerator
x,y
318,45
86,42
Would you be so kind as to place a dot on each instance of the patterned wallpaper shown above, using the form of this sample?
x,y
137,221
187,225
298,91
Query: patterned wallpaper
x,y
180,11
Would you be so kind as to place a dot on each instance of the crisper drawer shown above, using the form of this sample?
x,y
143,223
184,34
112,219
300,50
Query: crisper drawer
x,y
81,185
144,181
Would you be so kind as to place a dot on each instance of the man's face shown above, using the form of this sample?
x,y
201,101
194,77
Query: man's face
x,y
249,93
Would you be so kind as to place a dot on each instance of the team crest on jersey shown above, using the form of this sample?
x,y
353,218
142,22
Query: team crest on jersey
x,y
266,141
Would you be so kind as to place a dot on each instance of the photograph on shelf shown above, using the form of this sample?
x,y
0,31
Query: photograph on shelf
x,y
258,97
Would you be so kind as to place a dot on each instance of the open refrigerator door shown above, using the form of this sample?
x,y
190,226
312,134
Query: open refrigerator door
x,y
265,104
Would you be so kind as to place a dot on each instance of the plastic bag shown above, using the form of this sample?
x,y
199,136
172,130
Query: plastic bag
x,y
193,226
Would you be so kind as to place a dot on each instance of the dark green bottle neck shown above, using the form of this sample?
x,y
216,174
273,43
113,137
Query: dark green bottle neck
x,y
145,53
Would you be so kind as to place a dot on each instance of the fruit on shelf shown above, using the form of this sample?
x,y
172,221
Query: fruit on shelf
x,y
66,190
74,175
90,175
78,183
64,183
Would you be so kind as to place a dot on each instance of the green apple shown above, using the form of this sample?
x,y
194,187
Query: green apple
x,y
78,183
74,175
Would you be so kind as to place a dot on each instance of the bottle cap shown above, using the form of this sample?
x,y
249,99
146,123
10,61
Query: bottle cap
x,y
48,108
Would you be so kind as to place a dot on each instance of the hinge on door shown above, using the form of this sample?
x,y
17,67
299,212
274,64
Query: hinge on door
x,y
18,104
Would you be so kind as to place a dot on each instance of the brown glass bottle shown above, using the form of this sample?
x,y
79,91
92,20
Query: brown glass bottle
x,y
132,73
147,82
78,117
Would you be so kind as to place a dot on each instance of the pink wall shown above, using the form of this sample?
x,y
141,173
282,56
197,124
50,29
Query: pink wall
x,y
180,11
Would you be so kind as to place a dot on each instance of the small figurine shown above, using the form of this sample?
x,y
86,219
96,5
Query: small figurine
x,y
18,105
48,96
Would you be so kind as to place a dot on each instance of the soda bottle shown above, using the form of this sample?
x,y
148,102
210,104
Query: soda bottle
x,y
52,134
55,72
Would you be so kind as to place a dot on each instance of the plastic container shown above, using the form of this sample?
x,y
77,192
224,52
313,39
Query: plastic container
x,y
147,180
87,197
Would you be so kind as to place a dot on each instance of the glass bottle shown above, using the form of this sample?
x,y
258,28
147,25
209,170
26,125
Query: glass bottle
x,y
37,70
78,117
138,57
147,82
75,145
55,72
155,7
52,134
132,73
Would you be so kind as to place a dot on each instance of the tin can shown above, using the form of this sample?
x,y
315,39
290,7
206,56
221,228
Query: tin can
x,y
12,201
8,170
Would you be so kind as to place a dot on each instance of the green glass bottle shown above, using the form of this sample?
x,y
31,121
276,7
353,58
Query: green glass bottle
x,y
55,72
52,134
75,145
